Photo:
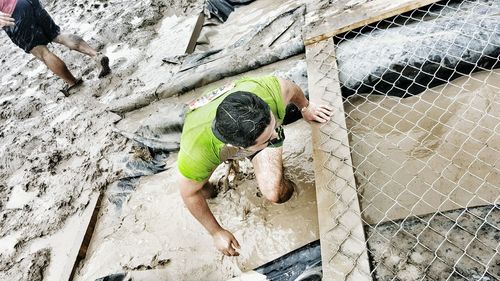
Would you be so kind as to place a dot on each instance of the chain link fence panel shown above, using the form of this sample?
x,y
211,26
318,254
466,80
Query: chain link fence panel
x,y
421,102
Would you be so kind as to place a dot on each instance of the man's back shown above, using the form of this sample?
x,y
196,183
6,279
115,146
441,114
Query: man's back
x,y
200,149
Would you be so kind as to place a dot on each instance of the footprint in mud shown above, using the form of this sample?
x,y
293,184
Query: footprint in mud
x,y
118,63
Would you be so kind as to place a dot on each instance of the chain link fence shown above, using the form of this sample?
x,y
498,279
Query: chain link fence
x,y
421,97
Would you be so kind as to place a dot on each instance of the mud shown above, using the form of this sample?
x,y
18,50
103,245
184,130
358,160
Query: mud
x,y
427,246
55,151
278,31
154,218
133,206
442,156
48,168
31,267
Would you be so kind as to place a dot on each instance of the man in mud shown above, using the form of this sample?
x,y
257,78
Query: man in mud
x,y
237,121
31,28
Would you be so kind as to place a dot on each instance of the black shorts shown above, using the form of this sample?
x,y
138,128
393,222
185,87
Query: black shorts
x,y
34,26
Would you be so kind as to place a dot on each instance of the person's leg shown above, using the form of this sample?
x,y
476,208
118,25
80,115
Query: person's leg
x,y
54,63
268,167
75,42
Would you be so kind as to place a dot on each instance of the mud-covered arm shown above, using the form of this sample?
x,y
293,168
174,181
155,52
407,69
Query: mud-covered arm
x,y
311,112
6,20
192,195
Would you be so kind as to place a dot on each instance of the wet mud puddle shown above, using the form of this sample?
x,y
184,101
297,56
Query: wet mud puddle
x,y
144,227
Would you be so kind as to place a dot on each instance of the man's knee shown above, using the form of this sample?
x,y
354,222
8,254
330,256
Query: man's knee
x,y
70,40
40,52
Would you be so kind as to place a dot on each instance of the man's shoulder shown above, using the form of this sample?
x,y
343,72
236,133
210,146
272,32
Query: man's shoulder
x,y
198,155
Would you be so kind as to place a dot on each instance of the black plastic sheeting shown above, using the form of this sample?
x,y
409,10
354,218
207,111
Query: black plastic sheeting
x,y
221,9
113,277
303,264
407,54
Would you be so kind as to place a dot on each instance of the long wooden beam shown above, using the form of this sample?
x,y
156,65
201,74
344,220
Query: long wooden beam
x,y
342,18
343,246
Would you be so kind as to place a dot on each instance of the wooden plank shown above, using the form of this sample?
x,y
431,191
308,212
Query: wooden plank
x,y
343,246
196,33
70,242
83,237
341,17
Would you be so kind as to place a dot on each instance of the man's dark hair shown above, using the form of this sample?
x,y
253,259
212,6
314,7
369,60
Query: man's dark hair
x,y
241,118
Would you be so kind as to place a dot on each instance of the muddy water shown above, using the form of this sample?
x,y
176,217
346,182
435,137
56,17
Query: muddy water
x,y
153,235
154,230
436,151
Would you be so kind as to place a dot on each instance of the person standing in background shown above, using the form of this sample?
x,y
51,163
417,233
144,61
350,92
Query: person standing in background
x,y
31,28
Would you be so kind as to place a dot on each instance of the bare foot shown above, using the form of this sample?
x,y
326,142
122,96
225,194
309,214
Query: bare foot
x,y
68,88
103,61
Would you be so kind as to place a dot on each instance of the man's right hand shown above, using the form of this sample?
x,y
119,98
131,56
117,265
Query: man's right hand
x,y
226,243
193,198
6,20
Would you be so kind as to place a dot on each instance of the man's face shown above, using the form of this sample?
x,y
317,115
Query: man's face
x,y
263,140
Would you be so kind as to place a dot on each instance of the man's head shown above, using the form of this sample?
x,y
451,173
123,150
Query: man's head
x,y
243,119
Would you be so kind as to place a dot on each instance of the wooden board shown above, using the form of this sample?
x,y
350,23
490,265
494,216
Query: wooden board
x,y
88,219
196,33
343,246
68,245
341,16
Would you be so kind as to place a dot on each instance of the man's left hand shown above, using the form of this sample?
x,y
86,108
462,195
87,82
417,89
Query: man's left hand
x,y
321,113
6,20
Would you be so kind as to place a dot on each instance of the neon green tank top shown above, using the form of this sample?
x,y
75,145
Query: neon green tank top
x,y
200,150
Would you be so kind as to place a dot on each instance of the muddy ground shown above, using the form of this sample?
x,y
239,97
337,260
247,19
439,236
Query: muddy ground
x,y
57,152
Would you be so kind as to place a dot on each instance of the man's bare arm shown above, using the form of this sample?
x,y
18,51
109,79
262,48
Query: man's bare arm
x,y
191,193
311,112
